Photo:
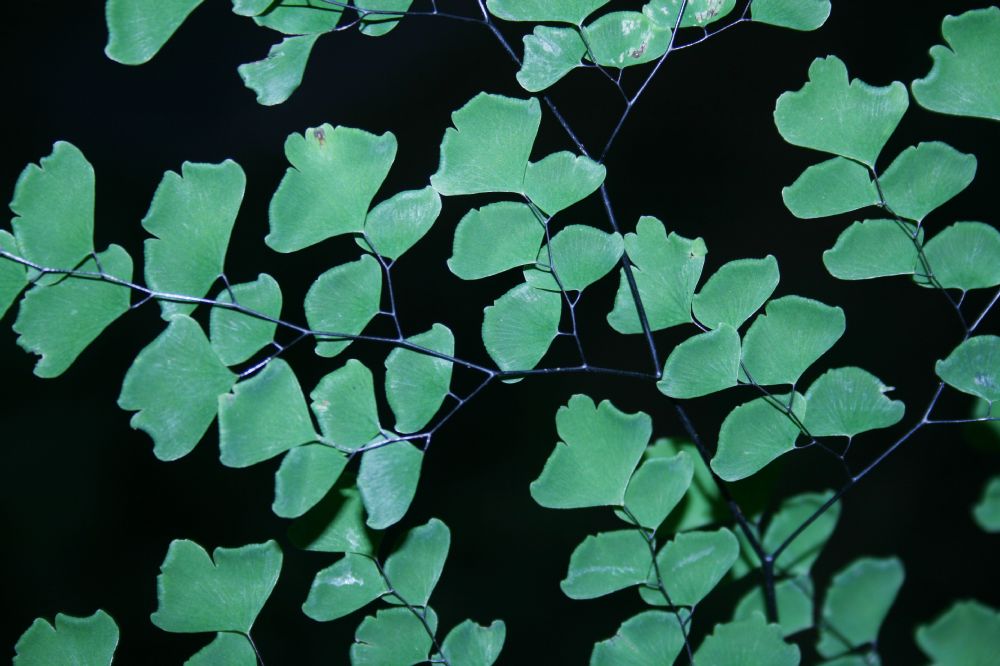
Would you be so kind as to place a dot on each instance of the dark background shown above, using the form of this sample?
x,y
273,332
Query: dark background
x,y
88,511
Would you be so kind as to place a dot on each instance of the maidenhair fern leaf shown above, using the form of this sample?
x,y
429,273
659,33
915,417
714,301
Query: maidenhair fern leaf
x,y
651,637
263,416
174,385
300,17
793,598
192,216
334,175
470,644
336,524
968,634
277,76
226,649
59,321
962,80
235,335
925,177
667,269
344,405
798,557
305,476
790,336
851,119
697,13
54,208
838,185
415,566
343,300
520,325
856,604
606,562
873,248
973,367
73,640
226,592
561,179
690,566
393,636
350,583
580,256
488,149
736,291
550,53
749,641
251,7
754,434
987,510
13,277
551,11
138,29
794,14
849,401
381,20
388,480
396,224
416,384
656,488
965,255
702,364
591,466
622,39
495,238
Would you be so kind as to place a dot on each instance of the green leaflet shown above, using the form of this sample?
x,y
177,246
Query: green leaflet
x,y
580,254
550,53
749,641
376,25
606,562
350,583
520,325
251,7
192,216
553,11
736,291
963,77
174,385
263,416
393,636
656,488
73,640
794,599
790,336
965,255
623,39
225,650
591,466
417,384
987,510
691,565
925,177
344,405
396,224
754,434
13,278
236,336
226,592
968,634
470,644
277,76
848,401
59,321
300,17
388,480
794,14
495,238
836,186
856,604
853,119
55,231
702,364
797,559
651,637
871,249
334,174
306,474
561,179
973,367
415,566
336,524
138,29
697,13
342,301
667,269
488,149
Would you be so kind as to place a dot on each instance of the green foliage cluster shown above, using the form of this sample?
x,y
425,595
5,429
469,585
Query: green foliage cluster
x,y
346,474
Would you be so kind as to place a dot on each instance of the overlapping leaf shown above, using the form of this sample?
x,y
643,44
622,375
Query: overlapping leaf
x,y
550,53
580,255
344,405
651,637
965,255
736,291
343,300
798,557
416,384
393,636
335,525
793,598
73,640
657,487
836,186
350,583
13,277
871,249
306,474
606,562
225,650
387,480
925,177
415,566
623,39
749,641
756,433
520,325
396,224
794,14
974,367
561,179
474,645
968,634
381,20
277,76
848,401
702,364
138,29
236,336
553,11
495,238
857,603
691,565
299,17
697,13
